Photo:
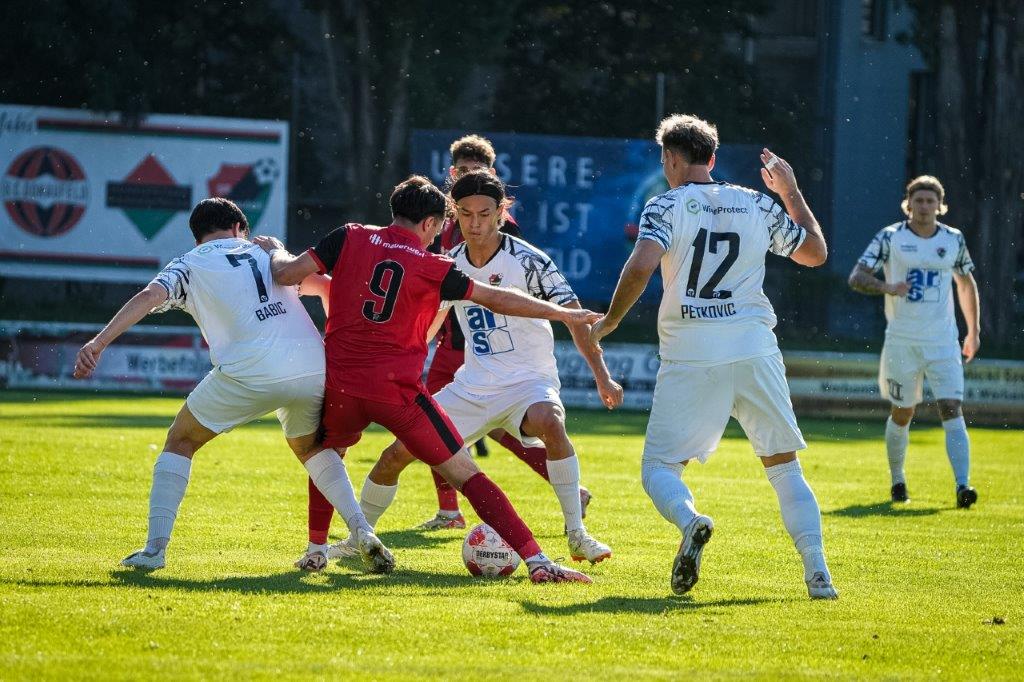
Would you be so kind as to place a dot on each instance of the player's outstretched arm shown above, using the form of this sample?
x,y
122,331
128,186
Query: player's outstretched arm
x,y
288,270
863,280
970,305
435,325
317,285
636,273
778,176
137,307
609,389
516,303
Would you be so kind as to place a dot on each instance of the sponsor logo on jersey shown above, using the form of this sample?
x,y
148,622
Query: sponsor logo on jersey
x,y
488,333
44,191
908,248
694,206
375,239
149,196
924,285
248,185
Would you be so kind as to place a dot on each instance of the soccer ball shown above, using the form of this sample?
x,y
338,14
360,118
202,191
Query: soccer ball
x,y
266,171
485,553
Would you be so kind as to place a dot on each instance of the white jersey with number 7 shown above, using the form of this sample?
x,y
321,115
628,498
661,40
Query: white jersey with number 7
x,y
716,236
257,330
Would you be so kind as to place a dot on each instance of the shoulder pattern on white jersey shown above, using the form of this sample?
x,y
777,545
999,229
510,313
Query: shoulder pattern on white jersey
x,y
877,253
656,219
784,235
543,278
175,279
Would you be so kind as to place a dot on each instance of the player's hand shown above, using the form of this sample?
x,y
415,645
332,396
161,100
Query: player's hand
x,y
972,342
777,174
268,243
579,316
900,289
601,329
610,392
87,359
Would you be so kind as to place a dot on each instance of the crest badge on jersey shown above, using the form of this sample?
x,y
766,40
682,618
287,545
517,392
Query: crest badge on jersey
x,y
941,251
495,280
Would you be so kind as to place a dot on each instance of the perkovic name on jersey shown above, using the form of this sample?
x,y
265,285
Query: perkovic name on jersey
x,y
269,311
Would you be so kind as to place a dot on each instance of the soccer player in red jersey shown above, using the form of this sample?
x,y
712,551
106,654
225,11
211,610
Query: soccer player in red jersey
x,y
386,289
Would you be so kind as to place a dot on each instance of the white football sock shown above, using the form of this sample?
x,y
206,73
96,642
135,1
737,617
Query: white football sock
x,y
958,449
564,475
329,475
375,500
314,547
664,485
896,439
170,478
800,515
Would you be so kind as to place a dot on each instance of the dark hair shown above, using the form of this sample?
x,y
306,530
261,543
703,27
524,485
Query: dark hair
x,y
416,198
473,148
479,182
694,138
215,214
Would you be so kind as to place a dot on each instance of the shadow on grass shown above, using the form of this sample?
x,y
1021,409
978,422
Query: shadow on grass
x,y
656,606
417,539
885,508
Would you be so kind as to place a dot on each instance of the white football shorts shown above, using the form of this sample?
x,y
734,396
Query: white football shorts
x,y
474,416
903,368
221,403
692,406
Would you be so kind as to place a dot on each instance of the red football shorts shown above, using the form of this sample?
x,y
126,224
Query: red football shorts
x,y
421,425
443,367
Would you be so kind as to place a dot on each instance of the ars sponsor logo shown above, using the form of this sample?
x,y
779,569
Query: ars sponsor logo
x,y
149,196
45,191
248,185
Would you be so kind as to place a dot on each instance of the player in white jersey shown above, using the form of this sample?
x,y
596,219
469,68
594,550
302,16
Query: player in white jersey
x,y
921,258
719,354
509,379
267,355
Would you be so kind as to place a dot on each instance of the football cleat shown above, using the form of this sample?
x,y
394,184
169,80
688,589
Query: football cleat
x,y
346,549
550,572
443,522
965,496
585,498
583,546
820,587
376,557
144,560
312,561
899,493
686,567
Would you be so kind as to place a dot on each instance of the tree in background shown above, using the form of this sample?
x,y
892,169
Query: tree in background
x,y
976,50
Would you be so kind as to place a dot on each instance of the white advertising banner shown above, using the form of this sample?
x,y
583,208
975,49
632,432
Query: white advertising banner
x,y
173,359
90,198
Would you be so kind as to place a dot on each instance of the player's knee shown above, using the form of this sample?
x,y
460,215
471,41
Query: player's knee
x,y
182,444
549,422
901,416
949,409
393,461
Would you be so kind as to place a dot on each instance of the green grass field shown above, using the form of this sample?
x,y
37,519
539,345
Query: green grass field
x,y
927,591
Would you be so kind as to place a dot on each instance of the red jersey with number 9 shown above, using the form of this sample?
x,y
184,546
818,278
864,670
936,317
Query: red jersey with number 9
x,y
385,291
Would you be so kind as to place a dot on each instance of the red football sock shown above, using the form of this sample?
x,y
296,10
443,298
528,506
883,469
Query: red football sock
x,y
537,458
494,508
320,513
447,496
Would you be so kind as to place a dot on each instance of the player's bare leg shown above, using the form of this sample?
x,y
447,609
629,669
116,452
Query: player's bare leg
x,y
897,436
327,470
802,518
958,449
495,509
547,421
170,478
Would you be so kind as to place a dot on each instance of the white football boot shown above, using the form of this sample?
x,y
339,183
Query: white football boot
x,y
314,560
146,561
442,521
820,587
376,557
548,571
686,567
583,546
346,549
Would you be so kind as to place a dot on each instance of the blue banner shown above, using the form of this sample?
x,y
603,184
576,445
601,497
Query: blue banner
x,y
579,198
